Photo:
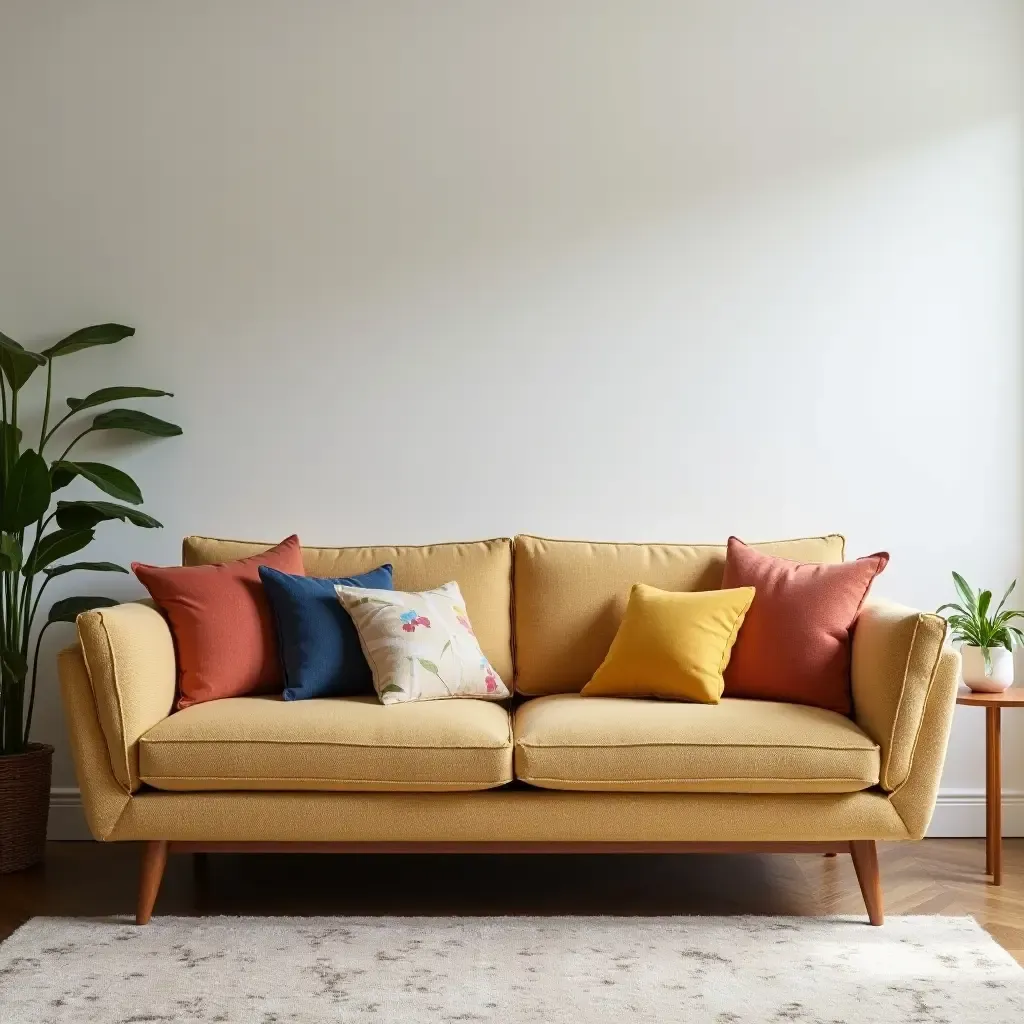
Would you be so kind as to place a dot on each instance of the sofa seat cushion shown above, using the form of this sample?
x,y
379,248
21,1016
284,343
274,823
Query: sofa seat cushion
x,y
339,743
567,741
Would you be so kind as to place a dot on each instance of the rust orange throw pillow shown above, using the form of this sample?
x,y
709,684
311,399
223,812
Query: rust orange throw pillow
x,y
221,622
795,642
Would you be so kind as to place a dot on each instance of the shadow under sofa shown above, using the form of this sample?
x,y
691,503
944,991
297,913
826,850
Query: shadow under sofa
x,y
553,772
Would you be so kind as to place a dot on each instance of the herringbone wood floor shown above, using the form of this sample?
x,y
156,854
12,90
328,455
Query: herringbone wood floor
x,y
937,876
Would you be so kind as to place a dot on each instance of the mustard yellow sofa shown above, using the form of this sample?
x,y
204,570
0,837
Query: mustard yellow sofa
x,y
552,772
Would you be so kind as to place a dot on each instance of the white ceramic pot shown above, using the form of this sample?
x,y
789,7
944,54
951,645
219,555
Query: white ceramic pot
x,y
998,678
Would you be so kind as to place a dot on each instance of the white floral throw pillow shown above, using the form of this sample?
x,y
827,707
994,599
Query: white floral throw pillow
x,y
420,646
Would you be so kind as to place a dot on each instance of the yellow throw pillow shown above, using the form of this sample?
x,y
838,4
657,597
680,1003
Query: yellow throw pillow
x,y
674,646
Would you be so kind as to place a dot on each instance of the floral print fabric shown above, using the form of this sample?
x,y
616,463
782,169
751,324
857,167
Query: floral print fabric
x,y
420,646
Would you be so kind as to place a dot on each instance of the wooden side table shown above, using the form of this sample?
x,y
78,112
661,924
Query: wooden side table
x,y
993,703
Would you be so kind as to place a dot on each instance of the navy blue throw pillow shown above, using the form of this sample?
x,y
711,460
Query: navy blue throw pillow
x,y
318,643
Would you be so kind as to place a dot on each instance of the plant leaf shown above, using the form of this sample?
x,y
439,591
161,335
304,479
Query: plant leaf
x,y
114,481
1009,591
84,515
28,492
70,608
117,394
984,600
56,545
391,688
17,363
1010,614
965,629
428,665
965,592
10,446
15,664
10,553
87,337
133,419
13,435
1003,619
60,570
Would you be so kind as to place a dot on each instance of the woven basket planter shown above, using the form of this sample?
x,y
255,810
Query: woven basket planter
x,y
24,806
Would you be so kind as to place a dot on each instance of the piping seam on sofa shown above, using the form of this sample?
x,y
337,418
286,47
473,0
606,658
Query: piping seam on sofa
x,y
127,787
693,746
924,707
149,780
315,743
669,543
393,548
917,735
703,779
899,703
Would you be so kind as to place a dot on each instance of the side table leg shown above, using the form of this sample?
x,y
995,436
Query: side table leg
x,y
988,791
993,796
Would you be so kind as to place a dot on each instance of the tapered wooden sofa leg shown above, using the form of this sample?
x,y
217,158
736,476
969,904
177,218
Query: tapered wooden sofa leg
x,y
154,860
865,863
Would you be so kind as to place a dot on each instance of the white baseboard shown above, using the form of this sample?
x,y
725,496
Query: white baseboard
x,y
958,813
67,820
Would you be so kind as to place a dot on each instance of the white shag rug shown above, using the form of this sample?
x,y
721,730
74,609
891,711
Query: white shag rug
x,y
396,970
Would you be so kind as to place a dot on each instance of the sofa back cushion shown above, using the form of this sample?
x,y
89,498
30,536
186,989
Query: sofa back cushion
x,y
483,570
570,596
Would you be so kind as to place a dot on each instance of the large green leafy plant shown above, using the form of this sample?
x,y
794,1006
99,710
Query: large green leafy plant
x,y
35,538
972,623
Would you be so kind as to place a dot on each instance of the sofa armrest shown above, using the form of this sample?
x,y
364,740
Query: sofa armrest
x,y
904,693
129,655
103,798
914,800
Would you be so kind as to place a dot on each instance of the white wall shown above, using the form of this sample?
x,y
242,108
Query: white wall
x,y
612,270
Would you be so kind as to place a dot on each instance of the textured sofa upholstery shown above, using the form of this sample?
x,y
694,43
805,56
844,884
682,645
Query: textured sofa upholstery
x,y
551,768
607,744
352,743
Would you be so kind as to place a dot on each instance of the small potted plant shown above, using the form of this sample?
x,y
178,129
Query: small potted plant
x,y
986,638
37,536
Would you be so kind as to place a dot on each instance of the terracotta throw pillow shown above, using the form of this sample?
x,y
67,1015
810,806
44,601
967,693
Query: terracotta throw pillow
x,y
795,642
221,622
